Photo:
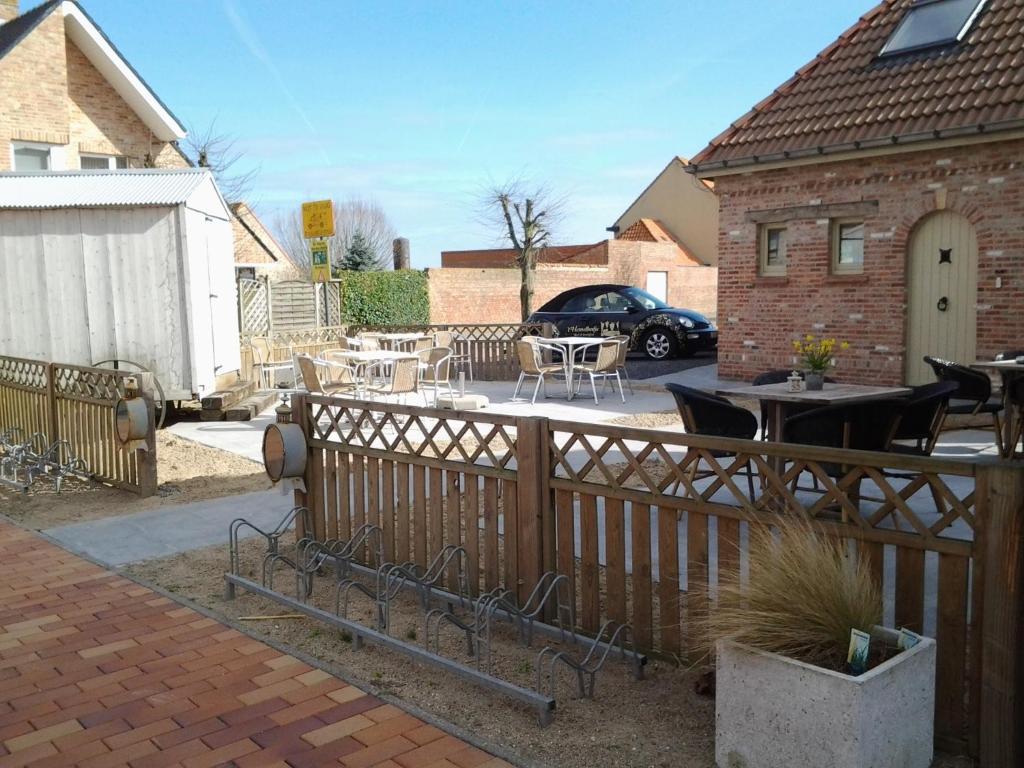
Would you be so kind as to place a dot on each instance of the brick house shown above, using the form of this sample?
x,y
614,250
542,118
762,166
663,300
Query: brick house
x,y
878,197
69,100
483,286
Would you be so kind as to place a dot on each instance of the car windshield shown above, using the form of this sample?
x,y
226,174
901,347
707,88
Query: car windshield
x,y
645,299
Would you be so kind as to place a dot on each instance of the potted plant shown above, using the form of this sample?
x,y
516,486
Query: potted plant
x,y
785,694
817,358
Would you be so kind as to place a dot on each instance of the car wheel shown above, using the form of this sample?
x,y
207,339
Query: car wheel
x,y
659,344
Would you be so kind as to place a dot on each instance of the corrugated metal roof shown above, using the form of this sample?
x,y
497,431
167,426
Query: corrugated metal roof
x,y
96,189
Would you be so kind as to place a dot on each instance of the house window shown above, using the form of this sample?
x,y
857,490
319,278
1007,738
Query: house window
x,y
102,162
930,23
847,247
773,249
30,156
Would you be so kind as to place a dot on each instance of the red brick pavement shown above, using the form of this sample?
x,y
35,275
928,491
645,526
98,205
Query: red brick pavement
x,y
98,671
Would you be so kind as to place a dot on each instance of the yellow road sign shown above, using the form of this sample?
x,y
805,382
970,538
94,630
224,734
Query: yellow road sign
x,y
319,261
318,219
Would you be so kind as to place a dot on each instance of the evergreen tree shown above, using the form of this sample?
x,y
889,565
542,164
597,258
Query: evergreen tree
x,y
359,256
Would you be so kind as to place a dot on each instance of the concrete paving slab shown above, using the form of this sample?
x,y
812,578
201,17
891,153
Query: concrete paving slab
x,y
168,531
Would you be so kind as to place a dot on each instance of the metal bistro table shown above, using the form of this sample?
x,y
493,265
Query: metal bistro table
x,y
360,361
779,399
570,347
1009,370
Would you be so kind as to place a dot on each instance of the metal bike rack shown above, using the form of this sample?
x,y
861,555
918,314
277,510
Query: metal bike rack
x,y
22,461
272,538
591,663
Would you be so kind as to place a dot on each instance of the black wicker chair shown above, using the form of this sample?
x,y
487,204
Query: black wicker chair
x,y
779,376
713,416
920,418
973,394
858,426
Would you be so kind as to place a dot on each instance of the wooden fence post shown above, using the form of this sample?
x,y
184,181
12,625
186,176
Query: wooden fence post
x,y
147,459
299,415
532,501
53,433
1001,737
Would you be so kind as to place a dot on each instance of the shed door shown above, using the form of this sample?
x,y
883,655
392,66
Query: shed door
x,y
942,287
657,285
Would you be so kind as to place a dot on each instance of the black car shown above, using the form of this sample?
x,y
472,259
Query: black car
x,y
653,327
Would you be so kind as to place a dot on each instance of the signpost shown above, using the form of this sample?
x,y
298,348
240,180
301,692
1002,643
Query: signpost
x,y
318,223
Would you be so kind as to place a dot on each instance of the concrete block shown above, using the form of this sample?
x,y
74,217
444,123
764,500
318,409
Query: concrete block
x,y
462,402
774,712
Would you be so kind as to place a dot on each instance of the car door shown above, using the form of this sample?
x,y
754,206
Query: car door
x,y
614,314
577,315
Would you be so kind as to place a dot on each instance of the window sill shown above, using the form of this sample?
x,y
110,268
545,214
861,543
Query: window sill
x,y
771,280
852,278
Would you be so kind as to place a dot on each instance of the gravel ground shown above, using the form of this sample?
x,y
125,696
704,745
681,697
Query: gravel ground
x,y
639,367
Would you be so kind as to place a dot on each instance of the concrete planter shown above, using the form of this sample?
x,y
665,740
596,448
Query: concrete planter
x,y
774,712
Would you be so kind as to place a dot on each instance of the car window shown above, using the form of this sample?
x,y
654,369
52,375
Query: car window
x,y
581,302
610,301
645,299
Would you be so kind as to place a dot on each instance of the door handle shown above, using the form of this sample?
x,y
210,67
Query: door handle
x,y
943,304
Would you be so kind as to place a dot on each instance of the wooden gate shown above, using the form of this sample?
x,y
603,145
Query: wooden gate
x,y
942,293
253,307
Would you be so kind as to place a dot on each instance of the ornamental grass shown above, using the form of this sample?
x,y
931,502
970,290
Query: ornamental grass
x,y
806,593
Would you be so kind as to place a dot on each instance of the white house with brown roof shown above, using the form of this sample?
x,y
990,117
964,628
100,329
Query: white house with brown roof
x,y
877,197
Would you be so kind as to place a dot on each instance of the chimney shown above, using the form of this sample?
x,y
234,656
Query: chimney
x,y
400,250
8,10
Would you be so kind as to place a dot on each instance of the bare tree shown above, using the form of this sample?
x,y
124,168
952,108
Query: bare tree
x,y
207,148
351,217
526,216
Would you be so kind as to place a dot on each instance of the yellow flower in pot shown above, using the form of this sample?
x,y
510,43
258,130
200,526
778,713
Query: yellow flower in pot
x,y
818,357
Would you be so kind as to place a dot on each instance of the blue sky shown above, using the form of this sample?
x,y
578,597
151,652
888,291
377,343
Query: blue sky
x,y
420,105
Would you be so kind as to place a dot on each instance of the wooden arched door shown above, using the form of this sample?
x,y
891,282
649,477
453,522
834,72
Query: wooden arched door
x,y
942,293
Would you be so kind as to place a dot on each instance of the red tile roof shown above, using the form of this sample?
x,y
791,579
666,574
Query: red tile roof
x,y
647,230
848,99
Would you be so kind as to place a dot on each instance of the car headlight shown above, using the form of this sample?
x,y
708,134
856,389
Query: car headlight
x,y
686,322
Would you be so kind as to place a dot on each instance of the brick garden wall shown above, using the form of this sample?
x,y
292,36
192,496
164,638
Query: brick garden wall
x,y
491,295
760,316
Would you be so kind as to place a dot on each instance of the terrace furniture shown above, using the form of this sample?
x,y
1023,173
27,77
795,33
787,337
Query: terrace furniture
x,y
572,349
1012,374
620,363
713,416
777,376
444,339
435,370
973,395
605,367
264,365
920,419
403,381
531,366
363,362
310,379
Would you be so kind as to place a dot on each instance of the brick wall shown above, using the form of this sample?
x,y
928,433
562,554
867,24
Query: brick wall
x,y
491,295
759,316
33,99
53,94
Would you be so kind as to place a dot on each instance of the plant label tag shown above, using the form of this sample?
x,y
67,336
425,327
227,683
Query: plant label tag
x,y
857,656
907,639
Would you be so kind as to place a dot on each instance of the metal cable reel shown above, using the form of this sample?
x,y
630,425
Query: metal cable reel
x,y
159,401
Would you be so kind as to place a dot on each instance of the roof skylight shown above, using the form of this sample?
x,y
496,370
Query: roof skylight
x,y
930,23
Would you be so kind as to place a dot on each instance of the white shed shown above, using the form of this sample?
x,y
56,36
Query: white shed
x,y
130,265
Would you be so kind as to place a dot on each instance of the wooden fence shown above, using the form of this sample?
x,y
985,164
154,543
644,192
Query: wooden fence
x,y
77,404
491,347
618,511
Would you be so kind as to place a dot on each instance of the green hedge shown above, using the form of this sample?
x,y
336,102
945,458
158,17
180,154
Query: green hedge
x,y
384,298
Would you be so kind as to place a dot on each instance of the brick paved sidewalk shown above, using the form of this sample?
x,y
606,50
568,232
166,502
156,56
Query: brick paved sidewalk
x,y
97,671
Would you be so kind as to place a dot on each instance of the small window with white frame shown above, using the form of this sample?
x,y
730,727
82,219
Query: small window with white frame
x,y
31,156
101,162
847,247
772,256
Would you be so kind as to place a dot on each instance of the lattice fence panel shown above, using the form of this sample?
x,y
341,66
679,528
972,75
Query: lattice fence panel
x,y
253,307
24,402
